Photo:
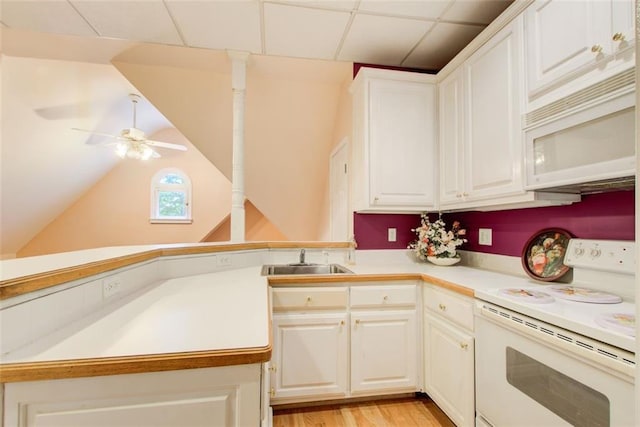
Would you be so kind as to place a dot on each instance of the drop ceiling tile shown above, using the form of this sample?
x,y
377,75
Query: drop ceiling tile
x,y
441,45
147,21
427,9
381,40
476,11
45,16
302,32
221,24
320,4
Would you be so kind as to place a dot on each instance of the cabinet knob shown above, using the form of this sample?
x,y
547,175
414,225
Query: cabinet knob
x,y
272,368
375,200
272,392
308,299
342,323
442,307
465,194
464,345
596,48
618,37
357,322
458,195
385,298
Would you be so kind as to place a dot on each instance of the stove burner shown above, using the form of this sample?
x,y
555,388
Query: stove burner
x,y
574,293
527,295
624,323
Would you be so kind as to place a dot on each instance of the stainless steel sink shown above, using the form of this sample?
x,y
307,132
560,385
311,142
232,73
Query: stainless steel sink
x,y
278,269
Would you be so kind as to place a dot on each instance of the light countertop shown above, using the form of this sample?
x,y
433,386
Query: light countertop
x,y
217,311
210,319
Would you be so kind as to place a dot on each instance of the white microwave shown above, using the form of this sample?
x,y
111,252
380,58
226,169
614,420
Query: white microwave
x,y
596,143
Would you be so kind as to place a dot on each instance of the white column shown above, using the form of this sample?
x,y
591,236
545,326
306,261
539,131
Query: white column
x,y
238,85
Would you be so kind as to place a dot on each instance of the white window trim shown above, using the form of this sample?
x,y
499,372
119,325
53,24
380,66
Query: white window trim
x,y
156,186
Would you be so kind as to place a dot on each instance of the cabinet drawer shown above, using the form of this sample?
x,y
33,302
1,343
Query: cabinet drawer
x,y
458,309
383,296
309,298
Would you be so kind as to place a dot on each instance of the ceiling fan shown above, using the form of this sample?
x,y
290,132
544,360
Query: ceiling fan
x,y
132,142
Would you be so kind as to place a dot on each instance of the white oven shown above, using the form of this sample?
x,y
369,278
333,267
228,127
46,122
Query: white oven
x,y
530,373
559,354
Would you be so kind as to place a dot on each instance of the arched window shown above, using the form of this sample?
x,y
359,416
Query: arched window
x,y
170,197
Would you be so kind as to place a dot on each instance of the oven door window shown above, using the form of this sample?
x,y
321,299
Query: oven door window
x,y
571,400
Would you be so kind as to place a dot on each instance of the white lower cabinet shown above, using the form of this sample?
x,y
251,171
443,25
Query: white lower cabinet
x,y
310,353
383,351
449,374
224,396
339,342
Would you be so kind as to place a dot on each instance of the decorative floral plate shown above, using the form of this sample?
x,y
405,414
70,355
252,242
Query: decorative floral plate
x,y
574,293
543,254
625,323
527,295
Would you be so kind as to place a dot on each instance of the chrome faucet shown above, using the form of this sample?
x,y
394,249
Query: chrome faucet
x,y
302,254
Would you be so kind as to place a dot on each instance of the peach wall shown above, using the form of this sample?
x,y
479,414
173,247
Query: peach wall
x,y
290,109
257,228
116,210
342,129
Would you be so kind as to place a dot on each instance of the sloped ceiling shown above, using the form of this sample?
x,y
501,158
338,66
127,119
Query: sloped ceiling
x,y
46,166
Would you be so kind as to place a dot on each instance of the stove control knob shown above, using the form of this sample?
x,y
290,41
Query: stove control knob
x,y
595,252
578,251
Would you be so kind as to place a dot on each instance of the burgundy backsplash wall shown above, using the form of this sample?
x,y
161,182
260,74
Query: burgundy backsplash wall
x,y
598,216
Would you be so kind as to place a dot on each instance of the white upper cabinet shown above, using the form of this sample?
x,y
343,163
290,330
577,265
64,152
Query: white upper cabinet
x,y
393,151
452,172
493,105
480,134
570,39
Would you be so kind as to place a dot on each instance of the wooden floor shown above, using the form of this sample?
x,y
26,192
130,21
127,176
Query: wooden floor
x,y
403,412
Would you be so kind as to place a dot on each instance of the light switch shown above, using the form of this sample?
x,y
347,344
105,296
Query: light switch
x,y
391,234
484,236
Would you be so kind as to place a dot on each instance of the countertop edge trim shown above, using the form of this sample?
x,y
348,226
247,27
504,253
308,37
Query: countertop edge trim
x,y
347,278
76,368
25,284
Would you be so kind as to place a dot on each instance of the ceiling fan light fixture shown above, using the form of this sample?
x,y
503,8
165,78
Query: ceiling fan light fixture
x,y
146,153
122,149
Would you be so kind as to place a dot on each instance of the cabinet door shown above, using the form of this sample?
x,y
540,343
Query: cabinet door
x,y
383,352
451,101
448,370
401,144
493,136
309,355
622,23
222,396
560,36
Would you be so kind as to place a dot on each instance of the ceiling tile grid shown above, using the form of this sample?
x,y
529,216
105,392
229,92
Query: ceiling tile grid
x,y
411,33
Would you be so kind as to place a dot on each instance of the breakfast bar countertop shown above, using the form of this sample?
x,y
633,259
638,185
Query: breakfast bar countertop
x,y
212,319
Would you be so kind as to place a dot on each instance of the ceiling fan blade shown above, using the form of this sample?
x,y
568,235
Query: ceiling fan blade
x,y
155,154
168,145
108,135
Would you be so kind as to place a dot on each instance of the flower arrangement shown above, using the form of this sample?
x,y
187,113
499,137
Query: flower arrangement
x,y
435,241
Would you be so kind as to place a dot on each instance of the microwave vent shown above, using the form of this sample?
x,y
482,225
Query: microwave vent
x,y
626,183
619,82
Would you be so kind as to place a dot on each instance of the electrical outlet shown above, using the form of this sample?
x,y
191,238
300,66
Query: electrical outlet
x,y
224,260
485,236
111,286
391,234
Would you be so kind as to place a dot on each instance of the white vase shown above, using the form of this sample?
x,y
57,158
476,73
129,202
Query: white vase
x,y
443,261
